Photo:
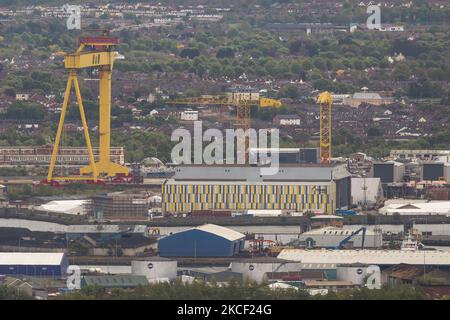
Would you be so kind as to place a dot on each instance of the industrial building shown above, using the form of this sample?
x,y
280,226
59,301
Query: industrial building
x,y
114,281
366,192
332,237
321,188
382,258
36,264
41,155
389,171
285,155
434,171
205,241
118,205
425,155
418,207
155,269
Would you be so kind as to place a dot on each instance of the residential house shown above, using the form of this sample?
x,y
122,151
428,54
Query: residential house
x,y
287,120
370,98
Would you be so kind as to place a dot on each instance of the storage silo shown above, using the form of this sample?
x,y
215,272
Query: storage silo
x,y
155,268
257,268
354,272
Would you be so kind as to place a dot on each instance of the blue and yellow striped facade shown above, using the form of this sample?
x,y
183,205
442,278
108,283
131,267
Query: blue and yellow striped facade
x,y
186,196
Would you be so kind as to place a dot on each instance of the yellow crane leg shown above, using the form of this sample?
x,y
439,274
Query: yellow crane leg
x,y
104,165
86,130
72,78
60,127
104,127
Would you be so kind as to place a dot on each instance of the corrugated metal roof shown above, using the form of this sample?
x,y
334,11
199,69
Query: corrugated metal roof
x,y
221,231
116,281
332,231
326,217
407,207
366,95
381,257
245,173
31,258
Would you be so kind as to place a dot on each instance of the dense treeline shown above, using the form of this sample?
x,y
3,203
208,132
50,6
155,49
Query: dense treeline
x,y
239,291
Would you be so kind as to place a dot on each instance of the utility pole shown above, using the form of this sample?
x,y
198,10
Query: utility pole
x,y
364,188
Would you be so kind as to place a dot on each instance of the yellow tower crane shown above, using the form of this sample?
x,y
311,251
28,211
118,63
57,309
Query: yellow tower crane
x,y
325,101
243,109
243,106
101,55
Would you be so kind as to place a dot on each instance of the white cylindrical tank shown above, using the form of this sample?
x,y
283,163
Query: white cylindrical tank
x,y
355,273
256,269
155,268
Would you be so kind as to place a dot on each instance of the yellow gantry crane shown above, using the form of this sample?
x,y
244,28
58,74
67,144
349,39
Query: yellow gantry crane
x,y
100,54
325,101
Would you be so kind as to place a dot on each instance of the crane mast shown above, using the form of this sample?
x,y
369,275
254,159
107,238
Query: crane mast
x,y
325,102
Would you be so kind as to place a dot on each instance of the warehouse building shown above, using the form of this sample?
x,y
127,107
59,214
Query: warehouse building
x,y
382,258
118,205
294,188
434,171
389,171
332,237
37,264
122,281
74,156
366,192
285,155
416,208
424,155
205,241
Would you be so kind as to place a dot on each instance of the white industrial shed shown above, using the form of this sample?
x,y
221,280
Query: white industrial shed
x,y
367,190
417,208
331,237
376,257
64,206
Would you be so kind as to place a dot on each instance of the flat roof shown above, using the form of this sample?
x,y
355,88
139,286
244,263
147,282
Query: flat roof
x,y
334,231
284,172
377,257
326,216
31,258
